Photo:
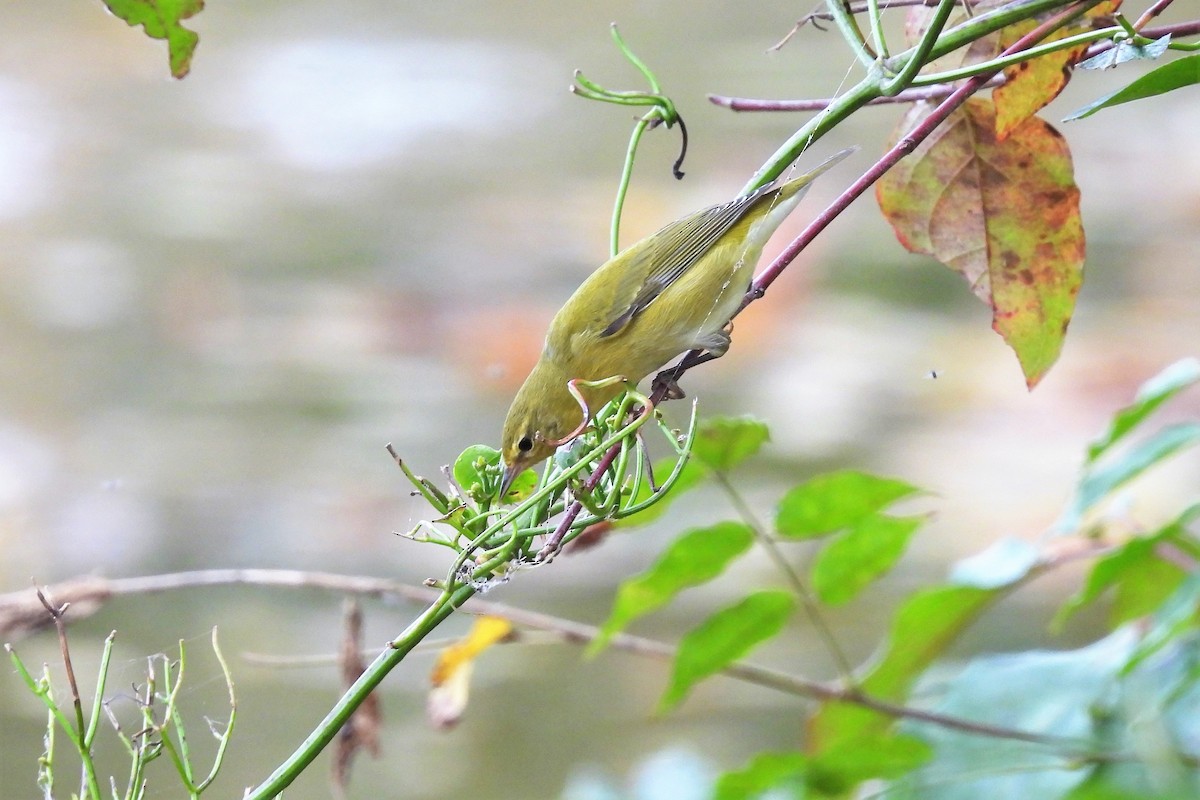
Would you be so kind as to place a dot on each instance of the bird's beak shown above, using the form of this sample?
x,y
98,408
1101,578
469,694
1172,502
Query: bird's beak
x,y
510,473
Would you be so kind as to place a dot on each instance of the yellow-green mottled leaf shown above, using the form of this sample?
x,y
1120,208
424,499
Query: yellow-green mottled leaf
x,y
859,556
836,500
1030,85
162,19
1004,215
724,638
694,558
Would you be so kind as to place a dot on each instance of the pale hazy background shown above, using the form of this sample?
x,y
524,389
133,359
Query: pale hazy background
x,y
219,299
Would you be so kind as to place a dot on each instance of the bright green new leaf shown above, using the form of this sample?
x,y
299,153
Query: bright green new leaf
x,y
1167,78
925,624
836,500
1100,481
765,771
841,768
724,442
477,471
864,553
161,19
695,558
1152,394
724,638
1005,562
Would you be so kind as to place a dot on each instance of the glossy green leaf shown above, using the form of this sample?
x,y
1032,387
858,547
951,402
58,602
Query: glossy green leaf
x,y
1005,562
724,638
859,556
162,19
765,771
472,467
924,625
836,500
1152,394
1101,480
1169,77
724,442
694,558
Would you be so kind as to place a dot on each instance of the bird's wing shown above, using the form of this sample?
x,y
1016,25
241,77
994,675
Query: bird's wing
x,y
673,251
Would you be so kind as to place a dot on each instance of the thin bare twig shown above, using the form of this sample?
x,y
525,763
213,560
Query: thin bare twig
x,y
820,104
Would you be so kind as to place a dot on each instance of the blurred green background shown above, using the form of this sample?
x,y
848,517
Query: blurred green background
x,y
219,299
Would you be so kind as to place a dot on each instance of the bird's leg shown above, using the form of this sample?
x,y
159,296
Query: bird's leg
x,y
573,387
708,348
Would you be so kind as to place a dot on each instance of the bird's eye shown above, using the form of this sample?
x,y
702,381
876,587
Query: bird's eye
x,y
525,445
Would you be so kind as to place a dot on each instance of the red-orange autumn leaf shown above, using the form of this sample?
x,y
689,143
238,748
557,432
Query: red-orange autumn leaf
x,y
1005,215
1030,85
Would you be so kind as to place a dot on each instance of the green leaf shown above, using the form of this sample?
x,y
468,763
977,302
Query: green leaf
x,y
1176,615
1152,394
1167,78
841,768
724,638
1140,579
1099,481
694,558
161,20
924,625
472,467
724,442
861,555
1005,562
836,500
764,772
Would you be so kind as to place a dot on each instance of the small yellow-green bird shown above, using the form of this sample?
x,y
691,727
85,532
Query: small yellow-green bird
x,y
671,292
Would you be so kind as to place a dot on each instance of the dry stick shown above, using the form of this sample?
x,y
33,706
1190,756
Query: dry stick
x,y
581,633
56,613
1150,13
820,104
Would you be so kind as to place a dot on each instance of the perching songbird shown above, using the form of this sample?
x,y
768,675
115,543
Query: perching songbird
x,y
671,292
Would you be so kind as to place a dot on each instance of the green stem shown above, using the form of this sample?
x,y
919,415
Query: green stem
x,y
850,32
918,56
614,244
877,28
949,76
340,714
871,87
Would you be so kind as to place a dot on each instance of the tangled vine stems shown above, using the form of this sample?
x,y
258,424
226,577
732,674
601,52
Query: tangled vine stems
x,y
662,111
